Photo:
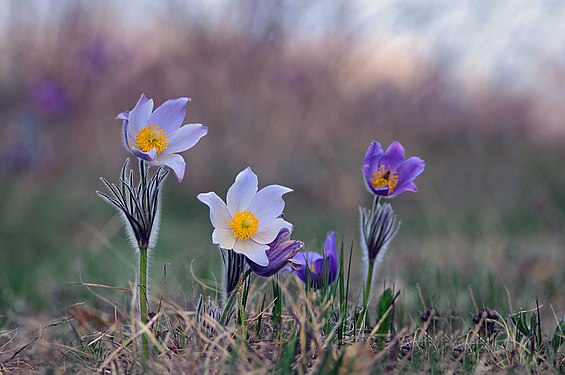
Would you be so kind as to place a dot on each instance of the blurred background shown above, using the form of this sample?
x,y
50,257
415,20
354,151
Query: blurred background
x,y
296,90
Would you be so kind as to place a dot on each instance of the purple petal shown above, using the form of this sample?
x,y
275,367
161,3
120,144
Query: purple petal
x,y
280,253
140,114
242,192
147,156
330,251
410,169
309,261
393,156
173,161
170,115
122,116
408,186
374,154
186,137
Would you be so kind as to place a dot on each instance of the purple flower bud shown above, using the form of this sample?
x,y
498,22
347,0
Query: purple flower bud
x,y
316,269
280,254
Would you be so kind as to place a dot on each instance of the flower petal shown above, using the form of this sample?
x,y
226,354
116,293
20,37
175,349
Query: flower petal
x,y
140,114
393,156
173,161
330,251
242,192
267,232
374,154
308,261
409,186
268,203
254,251
410,169
170,115
224,238
219,214
186,137
147,156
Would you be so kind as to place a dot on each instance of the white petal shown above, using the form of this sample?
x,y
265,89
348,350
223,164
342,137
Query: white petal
x,y
224,238
252,250
140,114
219,214
173,161
186,137
242,192
268,203
267,232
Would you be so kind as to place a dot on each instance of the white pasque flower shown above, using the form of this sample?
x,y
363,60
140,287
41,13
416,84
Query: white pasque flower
x,y
250,220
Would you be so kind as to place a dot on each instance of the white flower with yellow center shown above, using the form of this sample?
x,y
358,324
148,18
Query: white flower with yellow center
x,y
157,136
250,220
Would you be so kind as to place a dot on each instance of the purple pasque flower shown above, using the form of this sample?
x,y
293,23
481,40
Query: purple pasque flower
x,y
281,252
387,173
250,220
49,98
157,136
318,269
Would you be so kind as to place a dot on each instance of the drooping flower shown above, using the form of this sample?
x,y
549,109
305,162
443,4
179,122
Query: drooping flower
x,y
250,220
281,252
378,226
387,173
157,136
317,269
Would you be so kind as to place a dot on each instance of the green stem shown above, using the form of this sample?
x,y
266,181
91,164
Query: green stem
x,y
143,295
368,285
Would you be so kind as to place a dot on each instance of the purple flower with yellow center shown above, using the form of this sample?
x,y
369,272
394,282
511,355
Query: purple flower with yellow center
x,y
317,269
157,136
387,173
250,220
280,254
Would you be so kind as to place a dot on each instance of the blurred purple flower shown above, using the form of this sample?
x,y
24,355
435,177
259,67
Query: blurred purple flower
x,y
97,54
280,253
157,136
49,98
387,173
316,269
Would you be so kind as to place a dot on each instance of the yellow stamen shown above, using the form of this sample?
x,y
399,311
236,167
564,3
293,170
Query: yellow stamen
x,y
244,225
383,177
152,137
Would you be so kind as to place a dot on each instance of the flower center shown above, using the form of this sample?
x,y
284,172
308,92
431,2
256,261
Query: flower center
x,y
244,225
152,137
385,177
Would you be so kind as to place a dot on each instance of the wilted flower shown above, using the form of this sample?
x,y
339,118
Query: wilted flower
x,y
319,270
281,252
387,173
157,136
250,220
378,227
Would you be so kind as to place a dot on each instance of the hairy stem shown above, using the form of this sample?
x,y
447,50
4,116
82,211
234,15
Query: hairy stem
x,y
143,295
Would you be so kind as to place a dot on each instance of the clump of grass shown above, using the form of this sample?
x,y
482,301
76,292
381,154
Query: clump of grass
x,y
285,327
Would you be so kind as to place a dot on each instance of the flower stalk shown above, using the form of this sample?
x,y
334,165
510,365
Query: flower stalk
x,y
378,227
143,303
139,206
